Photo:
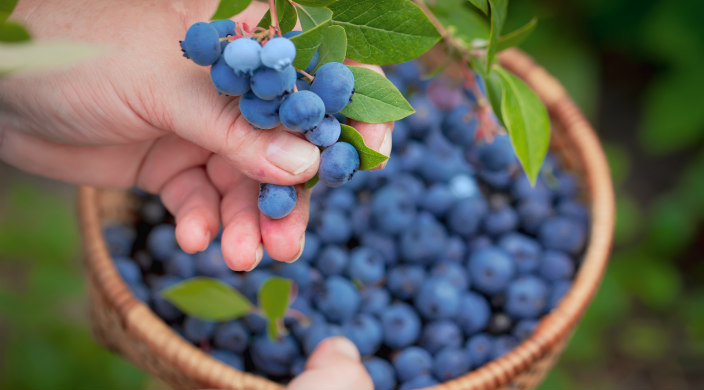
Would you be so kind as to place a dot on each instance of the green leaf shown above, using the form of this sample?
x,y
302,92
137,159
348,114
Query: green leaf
x,y
208,298
287,16
307,43
516,37
312,182
465,23
527,122
229,8
494,93
375,99
315,3
35,56
498,10
333,47
13,32
368,158
6,8
482,5
384,32
273,297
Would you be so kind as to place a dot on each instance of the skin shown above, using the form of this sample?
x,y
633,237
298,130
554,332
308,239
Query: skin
x,y
144,116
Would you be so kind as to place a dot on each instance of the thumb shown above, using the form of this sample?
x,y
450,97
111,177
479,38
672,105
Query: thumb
x,y
334,365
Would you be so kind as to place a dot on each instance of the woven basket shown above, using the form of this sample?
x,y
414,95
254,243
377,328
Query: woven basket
x,y
125,325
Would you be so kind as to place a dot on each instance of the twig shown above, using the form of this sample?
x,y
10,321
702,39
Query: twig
x,y
274,17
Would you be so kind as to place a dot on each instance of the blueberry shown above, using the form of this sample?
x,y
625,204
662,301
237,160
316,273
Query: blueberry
x,y
224,27
412,186
118,239
316,333
526,297
211,263
439,334
502,345
313,62
302,111
453,272
311,247
202,44
274,357
479,242
365,332
465,217
338,163
524,250
253,281
374,300
243,55
438,199
334,83
426,118
367,266
523,189
497,180
339,299
228,358
232,336
276,201
571,208
419,382
299,272
412,156
556,266
558,291
566,185
412,362
233,280
524,329
269,84
423,241
450,363
444,93
261,114
255,323
278,53
473,314
332,261
197,330
227,81
298,366
478,347
399,137
385,244
392,209
302,85
161,242
140,291
456,249
382,373
460,125
501,220
437,299
128,270
563,234
408,71
490,270
404,281
181,264
161,306
533,212
326,133
401,325
333,227
497,155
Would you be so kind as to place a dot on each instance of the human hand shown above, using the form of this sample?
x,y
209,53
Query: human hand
x,y
335,364
142,115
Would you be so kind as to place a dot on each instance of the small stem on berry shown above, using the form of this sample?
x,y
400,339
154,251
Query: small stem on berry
x,y
303,72
274,17
298,316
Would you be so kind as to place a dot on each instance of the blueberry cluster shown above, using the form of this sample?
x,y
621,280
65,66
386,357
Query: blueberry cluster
x,y
439,263
274,93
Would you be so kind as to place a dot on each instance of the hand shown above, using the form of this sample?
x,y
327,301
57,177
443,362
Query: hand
x,y
143,115
334,365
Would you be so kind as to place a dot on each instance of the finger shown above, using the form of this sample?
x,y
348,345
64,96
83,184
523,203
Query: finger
x,y
193,200
376,135
335,364
241,241
284,238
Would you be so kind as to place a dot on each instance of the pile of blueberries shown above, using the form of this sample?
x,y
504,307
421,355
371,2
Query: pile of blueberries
x,y
439,263
274,93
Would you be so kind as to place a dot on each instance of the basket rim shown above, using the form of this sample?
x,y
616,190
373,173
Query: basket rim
x,y
554,327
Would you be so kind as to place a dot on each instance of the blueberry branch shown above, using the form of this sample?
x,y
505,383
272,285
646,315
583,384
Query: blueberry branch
x,y
274,16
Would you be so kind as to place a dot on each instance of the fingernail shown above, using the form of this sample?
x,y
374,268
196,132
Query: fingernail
x,y
208,236
385,147
291,153
258,254
343,346
302,245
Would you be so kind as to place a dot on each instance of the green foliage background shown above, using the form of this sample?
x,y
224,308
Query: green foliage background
x,y
635,69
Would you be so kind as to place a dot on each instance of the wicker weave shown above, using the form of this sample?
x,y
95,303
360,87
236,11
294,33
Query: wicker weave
x,y
128,327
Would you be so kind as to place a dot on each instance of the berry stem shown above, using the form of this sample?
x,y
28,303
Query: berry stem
x,y
308,75
274,16
446,35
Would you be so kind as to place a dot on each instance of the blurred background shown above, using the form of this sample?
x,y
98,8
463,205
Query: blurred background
x,y
635,68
